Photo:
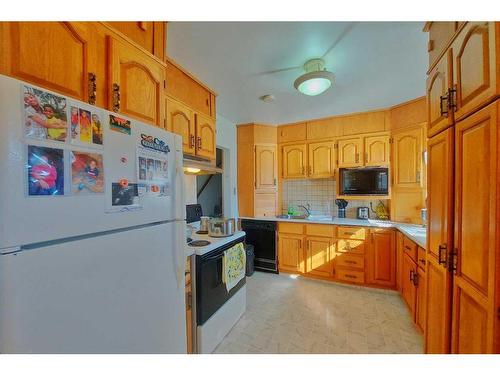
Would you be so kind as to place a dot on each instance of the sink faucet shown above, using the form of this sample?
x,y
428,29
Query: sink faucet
x,y
307,209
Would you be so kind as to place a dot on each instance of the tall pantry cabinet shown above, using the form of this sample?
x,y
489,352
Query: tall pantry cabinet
x,y
463,252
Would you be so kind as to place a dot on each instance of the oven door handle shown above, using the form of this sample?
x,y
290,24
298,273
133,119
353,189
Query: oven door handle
x,y
212,258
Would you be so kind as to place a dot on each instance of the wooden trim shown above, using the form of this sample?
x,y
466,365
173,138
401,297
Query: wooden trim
x,y
408,102
190,75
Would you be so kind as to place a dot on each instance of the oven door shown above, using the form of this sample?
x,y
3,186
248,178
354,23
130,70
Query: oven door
x,y
211,292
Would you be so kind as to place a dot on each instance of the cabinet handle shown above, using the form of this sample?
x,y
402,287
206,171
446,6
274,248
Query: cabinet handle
x,y
422,261
92,86
350,233
303,170
366,157
199,143
415,278
191,141
351,262
418,176
407,247
440,252
442,99
412,275
452,98
116,97
357,157
310,169
350,276
274,181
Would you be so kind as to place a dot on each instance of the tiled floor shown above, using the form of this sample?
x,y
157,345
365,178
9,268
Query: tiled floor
x,y
297,315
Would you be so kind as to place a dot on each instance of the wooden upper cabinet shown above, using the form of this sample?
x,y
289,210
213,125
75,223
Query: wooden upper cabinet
x,y
291,253
439,81
180,120
54,55
349,151
475,319
376,150
440,241
289,133
149,35
185,88
265,167
294,161
139,79
320,253
475,66
205,136
382,258
321,160
440,34
407,158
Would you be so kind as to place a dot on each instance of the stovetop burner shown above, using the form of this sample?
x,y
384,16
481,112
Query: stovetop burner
x,y
199,243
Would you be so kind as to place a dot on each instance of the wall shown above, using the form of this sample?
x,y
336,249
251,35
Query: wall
x,y
320,194
226,139
211,196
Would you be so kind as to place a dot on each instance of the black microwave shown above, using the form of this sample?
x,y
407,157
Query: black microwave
x,y
364,181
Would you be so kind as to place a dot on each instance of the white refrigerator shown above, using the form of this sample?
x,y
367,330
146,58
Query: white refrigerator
x,y
91,261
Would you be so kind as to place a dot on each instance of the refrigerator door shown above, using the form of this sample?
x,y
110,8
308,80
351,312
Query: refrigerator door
x,y
114,293
26,219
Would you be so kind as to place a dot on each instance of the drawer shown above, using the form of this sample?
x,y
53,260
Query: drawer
x,y
410,248
351,276
347,260
356,233
421,257
350,246
324,230
291,228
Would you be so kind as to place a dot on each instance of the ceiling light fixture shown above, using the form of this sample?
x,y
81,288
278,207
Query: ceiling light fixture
x,y
316,80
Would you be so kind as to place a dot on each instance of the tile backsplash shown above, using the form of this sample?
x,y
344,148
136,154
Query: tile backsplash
x,y
320,194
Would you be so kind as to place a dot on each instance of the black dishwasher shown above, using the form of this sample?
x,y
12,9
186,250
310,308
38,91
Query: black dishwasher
x,y
262,235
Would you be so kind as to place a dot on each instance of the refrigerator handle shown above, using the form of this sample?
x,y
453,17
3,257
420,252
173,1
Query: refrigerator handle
x,y
179,201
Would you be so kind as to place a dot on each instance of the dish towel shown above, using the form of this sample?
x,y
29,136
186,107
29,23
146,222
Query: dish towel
x,y
233,266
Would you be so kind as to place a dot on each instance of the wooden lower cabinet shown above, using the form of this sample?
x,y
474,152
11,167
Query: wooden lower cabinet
x,y
320,254
381,258
421,308
291,252
409,290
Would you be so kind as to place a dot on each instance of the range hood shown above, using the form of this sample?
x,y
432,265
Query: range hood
x,y
198,167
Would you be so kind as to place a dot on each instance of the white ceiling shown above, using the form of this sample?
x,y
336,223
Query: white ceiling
x,y
376,64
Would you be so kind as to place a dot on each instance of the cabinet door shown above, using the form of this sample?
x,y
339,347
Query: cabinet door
x,y
399,261
180,120
290,253
409,291
54,55
382,258
377,150
439,235
321,159
440,33
475,67
474,320
205,136
265,167
320,254
439,80
349,152
294,161
139,79
420,314
407,165
149,35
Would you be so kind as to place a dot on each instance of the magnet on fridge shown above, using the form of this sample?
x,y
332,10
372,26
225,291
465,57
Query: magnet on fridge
x,y
123,182
124,159
155,188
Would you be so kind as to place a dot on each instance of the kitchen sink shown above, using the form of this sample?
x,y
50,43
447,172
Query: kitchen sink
x,y
292,216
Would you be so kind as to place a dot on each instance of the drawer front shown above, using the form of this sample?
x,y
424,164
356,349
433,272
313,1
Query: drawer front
x,y
350,246
346,260
351,276
410,248
291,228
324,230
355,233
421,258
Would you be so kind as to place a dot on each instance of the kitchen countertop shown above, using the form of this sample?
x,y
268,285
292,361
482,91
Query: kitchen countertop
x,y
215,243
414,232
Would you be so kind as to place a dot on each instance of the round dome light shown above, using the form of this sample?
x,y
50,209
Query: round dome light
x,y
316,80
